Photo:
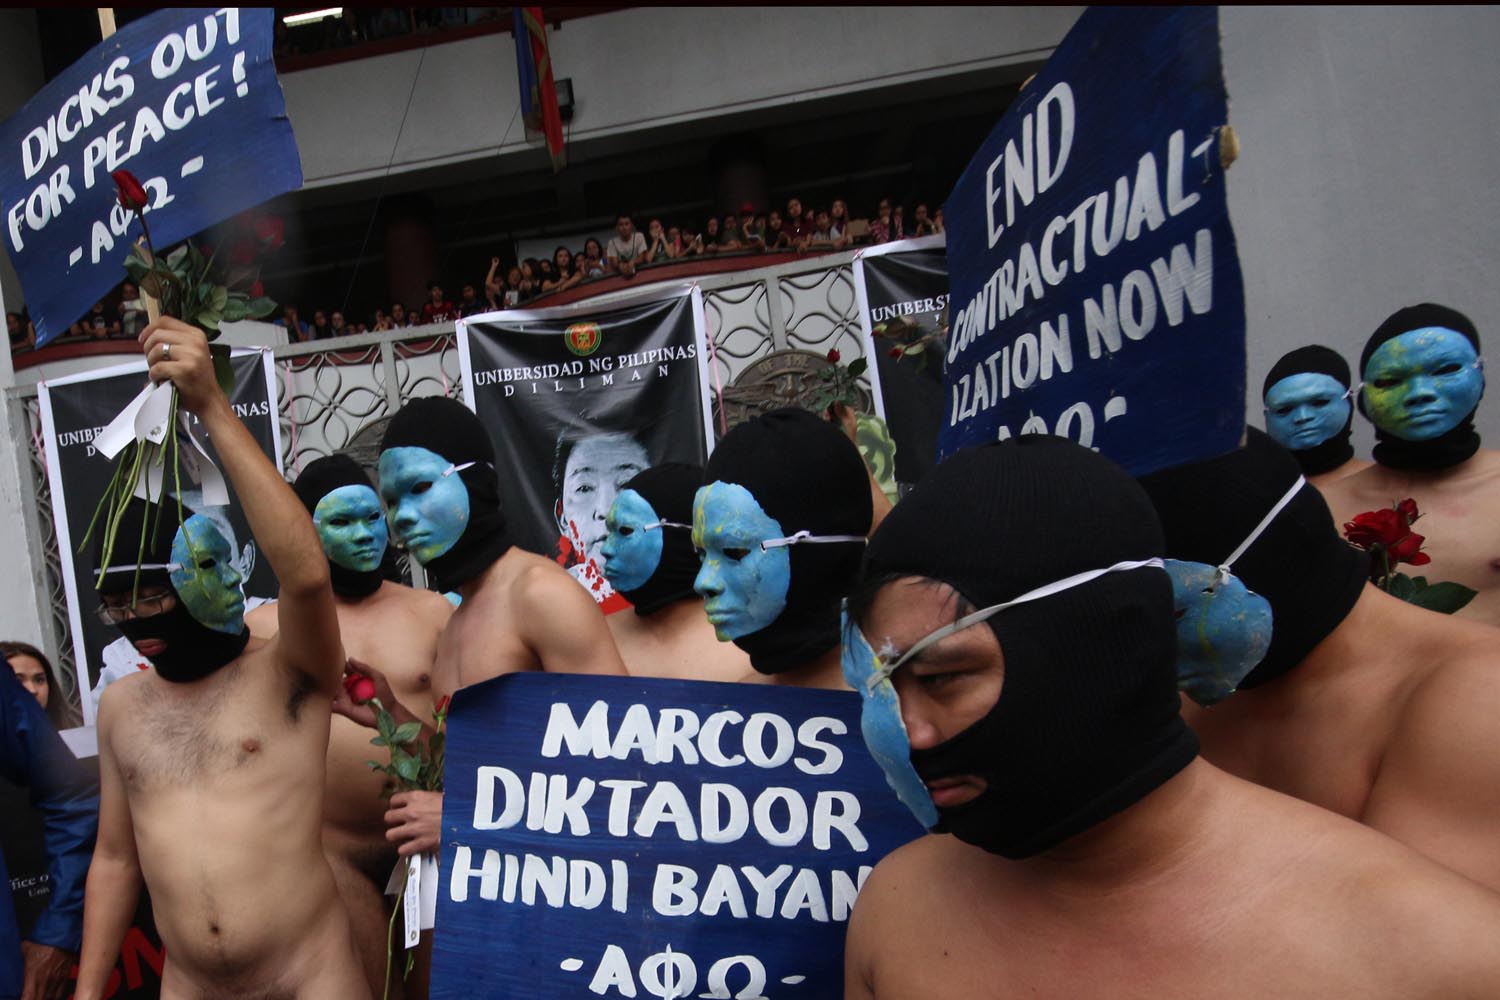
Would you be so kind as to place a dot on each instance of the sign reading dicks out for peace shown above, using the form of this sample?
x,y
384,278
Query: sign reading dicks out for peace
x,y
188,102
631,837
1095,283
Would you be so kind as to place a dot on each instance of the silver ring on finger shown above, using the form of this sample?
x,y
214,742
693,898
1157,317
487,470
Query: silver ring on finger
x,y
166,352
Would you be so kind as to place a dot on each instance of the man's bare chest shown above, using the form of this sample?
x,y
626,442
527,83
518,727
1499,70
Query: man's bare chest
x,y
169,739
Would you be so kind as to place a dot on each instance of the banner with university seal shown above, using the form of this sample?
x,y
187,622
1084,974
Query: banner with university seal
x,y
578,399
902,292
74,409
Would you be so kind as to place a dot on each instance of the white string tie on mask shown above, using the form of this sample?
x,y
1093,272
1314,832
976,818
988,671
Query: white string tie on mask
x,y
807,537
450,470
170,567
883,672
1223,574
655,525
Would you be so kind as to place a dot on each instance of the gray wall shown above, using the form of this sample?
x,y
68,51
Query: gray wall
x,y
640,69
1367,177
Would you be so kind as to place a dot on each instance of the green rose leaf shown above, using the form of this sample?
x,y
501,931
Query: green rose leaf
x,y
218,297
407,767
236,308
408,731
377,741
260,308
176,257
1445,598
223,372
857,367
1401,586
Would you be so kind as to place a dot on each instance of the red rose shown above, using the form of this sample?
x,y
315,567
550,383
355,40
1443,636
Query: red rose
x,y
257,290
1408,509
360,687
895,352
1375,527
132,196
1408,550
441,708
833,356
271,232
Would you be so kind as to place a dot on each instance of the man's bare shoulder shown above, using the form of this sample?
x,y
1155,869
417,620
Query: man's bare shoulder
x,y
427,605
915,872
116,697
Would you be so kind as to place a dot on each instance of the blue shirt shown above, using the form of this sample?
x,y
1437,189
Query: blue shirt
x,y
33,755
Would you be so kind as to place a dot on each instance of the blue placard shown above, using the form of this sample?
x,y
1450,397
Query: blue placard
x,y
1095,284
188,102
629,837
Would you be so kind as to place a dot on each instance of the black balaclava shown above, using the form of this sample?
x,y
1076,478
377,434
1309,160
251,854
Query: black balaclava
x,y
1087,721
193,649
808,476
448,428
315,482
1320,360
1440,452
669,489
1301,564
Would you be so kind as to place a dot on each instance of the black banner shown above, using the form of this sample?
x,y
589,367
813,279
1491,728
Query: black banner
x,y
74,410
905,305
576,404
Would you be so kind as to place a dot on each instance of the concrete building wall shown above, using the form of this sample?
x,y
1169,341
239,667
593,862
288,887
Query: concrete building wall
x,y
636,70
1366,180
21,76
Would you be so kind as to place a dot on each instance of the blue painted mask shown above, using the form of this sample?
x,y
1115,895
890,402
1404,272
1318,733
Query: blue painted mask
x,y
632,549
882,726
1223,630
351,525
743,583
203,575
1306,409
428,503
869,674
1422,384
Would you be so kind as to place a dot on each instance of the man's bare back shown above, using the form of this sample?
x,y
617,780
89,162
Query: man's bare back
x,y
677,642
226,765
1394,721
395,630
522,613
1460,509
1268,897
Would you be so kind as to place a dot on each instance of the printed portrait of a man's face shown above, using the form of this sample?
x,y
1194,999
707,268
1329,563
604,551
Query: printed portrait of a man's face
x,y
591,472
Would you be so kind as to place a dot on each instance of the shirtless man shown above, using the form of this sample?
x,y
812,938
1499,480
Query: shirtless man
x,y
519,611
394,627
1093,854
1365,705
781,528
1422,382
210,764
1308,412
649,559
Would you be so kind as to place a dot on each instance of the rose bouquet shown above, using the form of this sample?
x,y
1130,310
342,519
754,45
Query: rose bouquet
x,y
182,284
1386,536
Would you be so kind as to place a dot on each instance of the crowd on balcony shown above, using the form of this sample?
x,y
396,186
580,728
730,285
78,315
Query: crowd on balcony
x,y
798,229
